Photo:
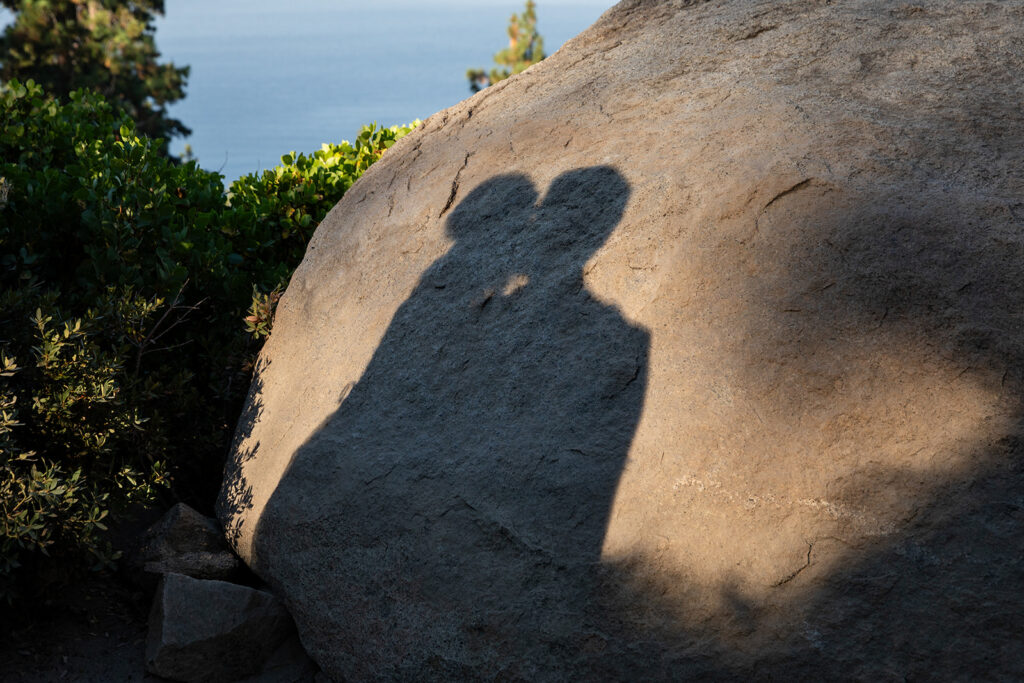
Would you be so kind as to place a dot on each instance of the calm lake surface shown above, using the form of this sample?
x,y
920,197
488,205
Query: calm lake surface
x,y
272,77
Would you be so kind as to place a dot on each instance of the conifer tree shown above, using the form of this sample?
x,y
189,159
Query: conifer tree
x,y
525,48
103,45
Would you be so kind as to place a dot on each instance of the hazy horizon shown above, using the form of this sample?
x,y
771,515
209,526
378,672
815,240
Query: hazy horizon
x,y
268,78
274,78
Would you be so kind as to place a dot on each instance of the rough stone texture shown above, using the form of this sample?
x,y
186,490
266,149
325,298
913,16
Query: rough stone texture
x,y
203,630
186,542
695,349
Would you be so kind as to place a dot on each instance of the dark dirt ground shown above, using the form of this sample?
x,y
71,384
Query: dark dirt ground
x,y
92,632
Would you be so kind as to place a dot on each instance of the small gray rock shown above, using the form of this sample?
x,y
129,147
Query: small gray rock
x,y
186,542
204,630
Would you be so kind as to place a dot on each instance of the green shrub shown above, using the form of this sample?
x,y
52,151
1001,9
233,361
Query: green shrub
x,y
125,348
72,396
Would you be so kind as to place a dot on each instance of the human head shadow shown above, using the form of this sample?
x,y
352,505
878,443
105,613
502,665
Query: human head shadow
x,y
454,506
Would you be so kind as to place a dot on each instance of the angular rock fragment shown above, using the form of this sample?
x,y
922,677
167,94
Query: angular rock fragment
x,y
206,630
186,542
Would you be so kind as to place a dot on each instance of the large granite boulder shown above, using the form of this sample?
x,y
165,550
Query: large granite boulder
x,y
694,349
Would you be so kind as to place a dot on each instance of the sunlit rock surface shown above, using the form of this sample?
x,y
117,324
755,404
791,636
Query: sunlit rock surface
x,y
695,349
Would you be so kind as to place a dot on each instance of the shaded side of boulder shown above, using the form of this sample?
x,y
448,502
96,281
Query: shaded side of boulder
x,y
206,630
288,664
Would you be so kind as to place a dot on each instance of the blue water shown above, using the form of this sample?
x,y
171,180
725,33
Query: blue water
x,y
271,77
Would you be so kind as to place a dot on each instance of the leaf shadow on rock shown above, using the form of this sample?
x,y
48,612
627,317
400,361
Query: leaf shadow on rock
x,y
929,282
921,575
910,269
236,492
